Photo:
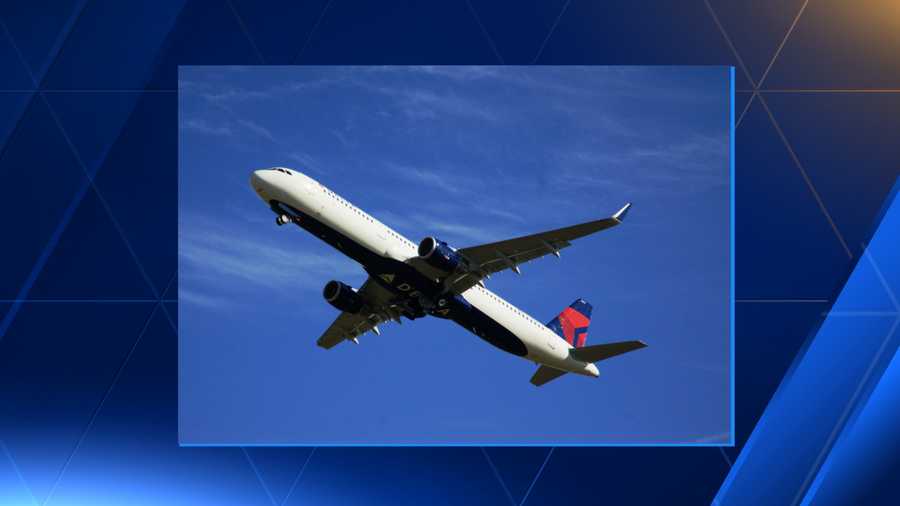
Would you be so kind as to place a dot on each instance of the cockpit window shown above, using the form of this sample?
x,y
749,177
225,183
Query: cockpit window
x,y
284,171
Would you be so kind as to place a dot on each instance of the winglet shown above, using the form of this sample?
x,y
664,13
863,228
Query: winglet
x,y
620,215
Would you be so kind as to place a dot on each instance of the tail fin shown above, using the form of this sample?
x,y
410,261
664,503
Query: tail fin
x,y
572,324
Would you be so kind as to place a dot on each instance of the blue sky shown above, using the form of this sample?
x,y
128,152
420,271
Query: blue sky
x,y
470,155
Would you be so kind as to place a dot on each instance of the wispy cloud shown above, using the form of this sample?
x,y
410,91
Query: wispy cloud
x,y
415,103
200,299
224,95
500,213
342,138
227,128
216,255
457,72
478,234
462,192
594,81
464,233
306,161
422,100
700,161
204,127
426,177
257,129
427,104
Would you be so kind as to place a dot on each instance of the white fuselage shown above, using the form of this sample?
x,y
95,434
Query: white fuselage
x,y
308,195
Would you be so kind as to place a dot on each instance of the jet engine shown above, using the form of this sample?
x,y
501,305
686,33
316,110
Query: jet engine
x,y
441,255
343,297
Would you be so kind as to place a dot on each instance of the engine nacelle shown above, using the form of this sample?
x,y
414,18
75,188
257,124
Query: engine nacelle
x,y
342,297
440,255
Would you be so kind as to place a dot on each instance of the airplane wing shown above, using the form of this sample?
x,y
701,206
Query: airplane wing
x,y
497,256
378,309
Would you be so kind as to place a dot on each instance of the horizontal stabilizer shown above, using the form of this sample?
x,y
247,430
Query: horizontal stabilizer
x,y
600,352
545,374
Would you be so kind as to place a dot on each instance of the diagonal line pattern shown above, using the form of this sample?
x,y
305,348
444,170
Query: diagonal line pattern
x,y
103,400
746,108
783,42
734,50
884,284
19,54
299,475
21,478
65,33
503,483
100,196
537,476
169,317
757,86
24,64
755,94
172,320
312,31
78,197
806,179
67,213
562,11
497,475
851,403
259,477
725,456
240,22
99,406
17,124
42,258
484,32
265,486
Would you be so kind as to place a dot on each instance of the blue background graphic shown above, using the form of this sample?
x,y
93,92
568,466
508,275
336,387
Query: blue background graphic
x,y
88,158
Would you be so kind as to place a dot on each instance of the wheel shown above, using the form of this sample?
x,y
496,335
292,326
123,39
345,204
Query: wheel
x,y
281,220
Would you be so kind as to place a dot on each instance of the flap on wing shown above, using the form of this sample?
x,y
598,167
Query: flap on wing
x,y
349,325
346,326
487,259
522,249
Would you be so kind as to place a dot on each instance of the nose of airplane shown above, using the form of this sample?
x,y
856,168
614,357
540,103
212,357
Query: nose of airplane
x,y
256,178
591,368
260,181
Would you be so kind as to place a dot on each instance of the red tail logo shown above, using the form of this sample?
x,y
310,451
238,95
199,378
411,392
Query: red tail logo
x,y
572,324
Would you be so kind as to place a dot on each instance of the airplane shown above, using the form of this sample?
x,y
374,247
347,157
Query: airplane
x,y
433,278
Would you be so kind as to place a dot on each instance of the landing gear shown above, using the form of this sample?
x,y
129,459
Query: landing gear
x,y
282,220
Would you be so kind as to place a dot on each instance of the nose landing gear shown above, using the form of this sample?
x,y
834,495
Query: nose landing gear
x,y
283,219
